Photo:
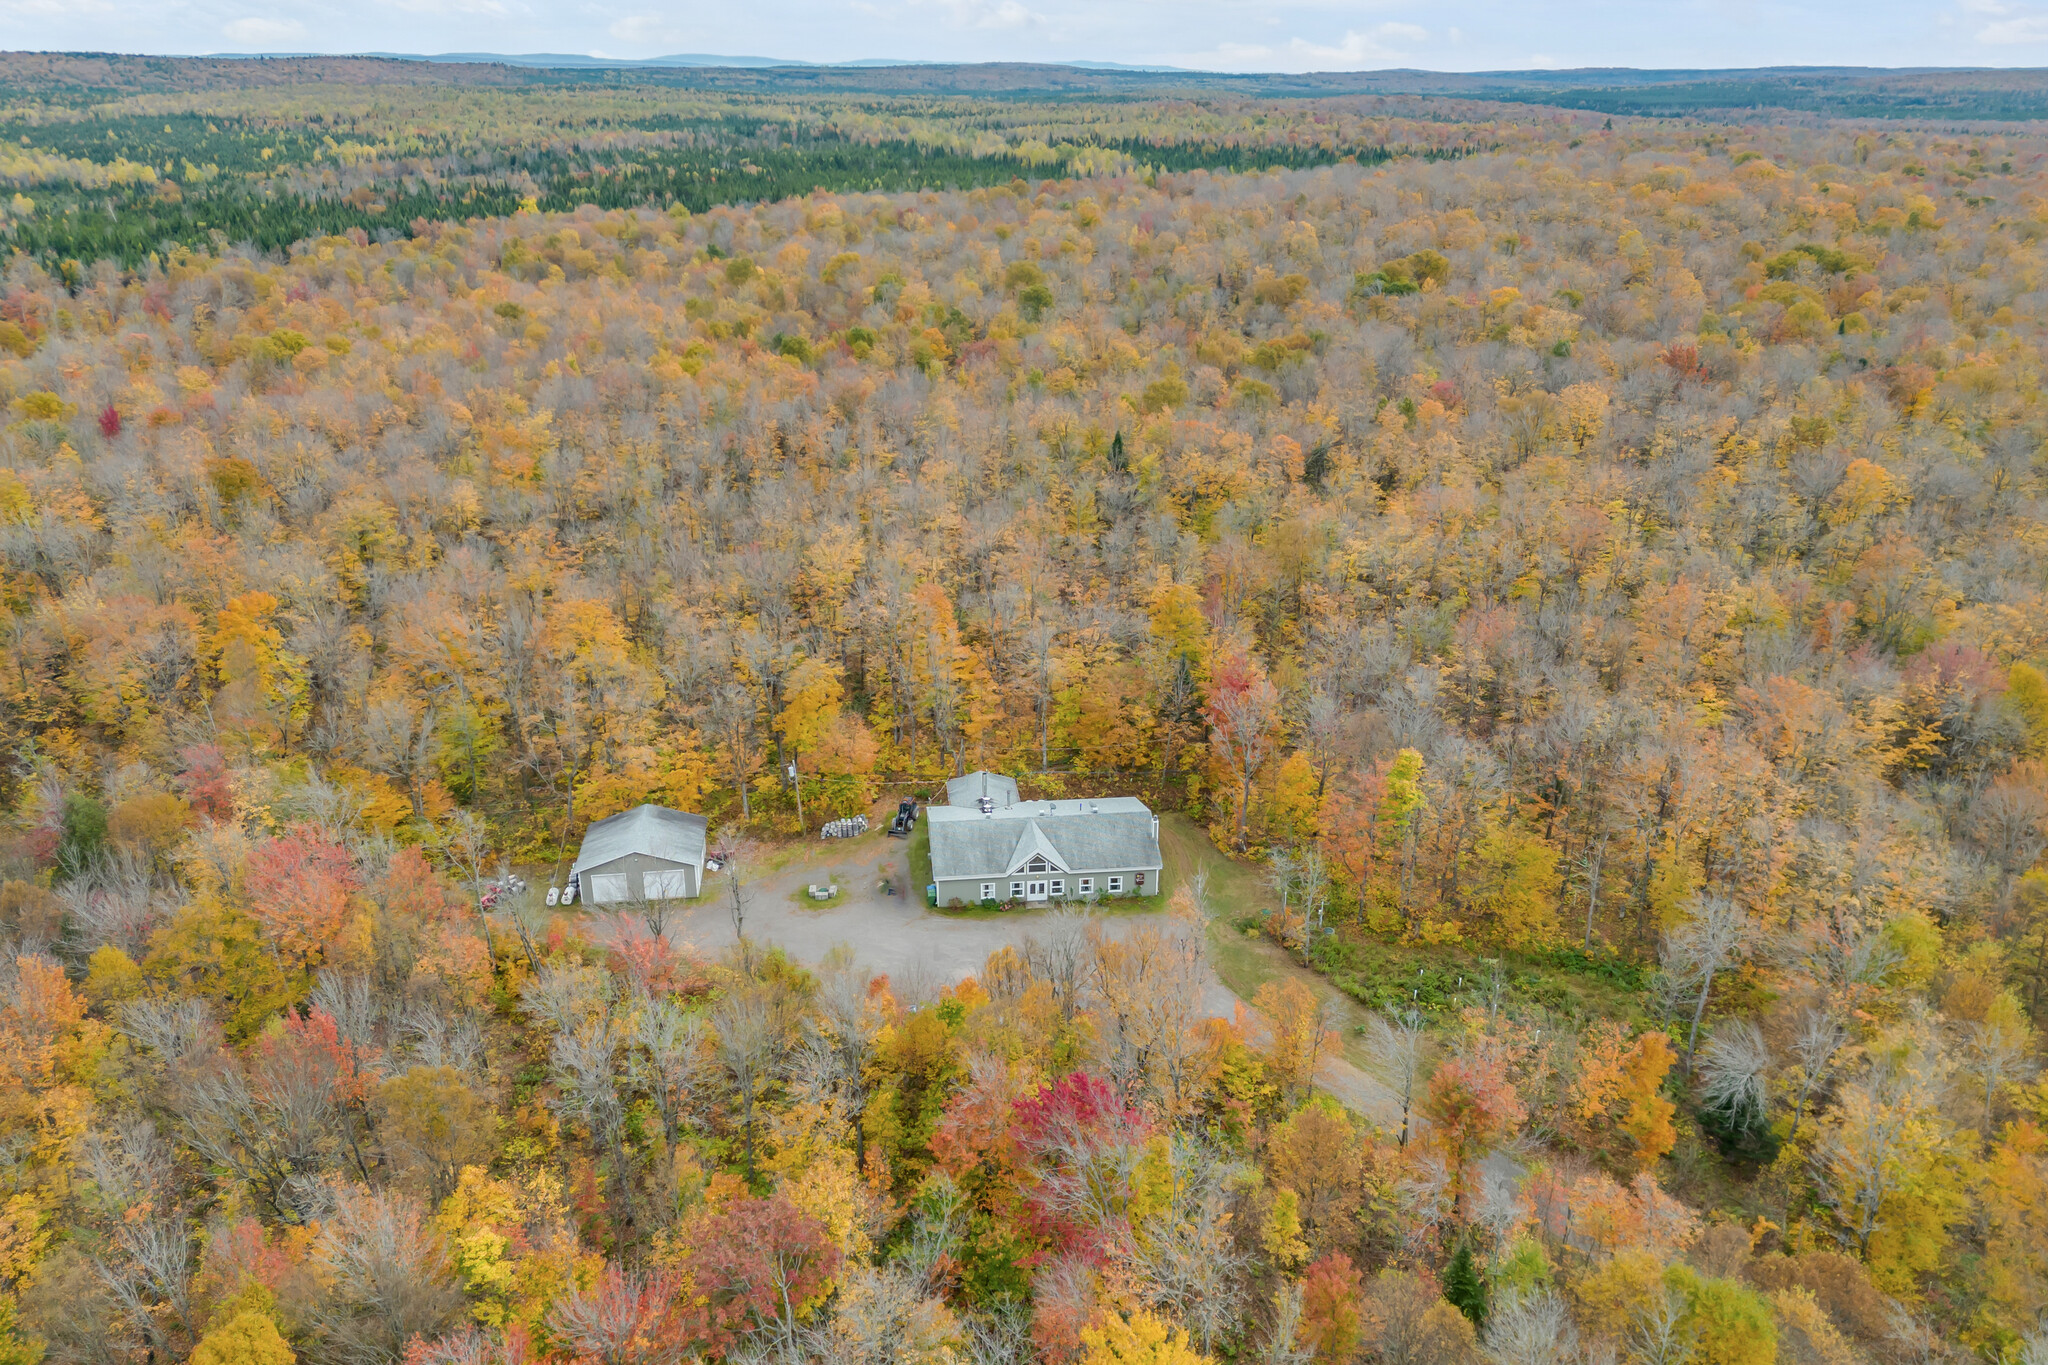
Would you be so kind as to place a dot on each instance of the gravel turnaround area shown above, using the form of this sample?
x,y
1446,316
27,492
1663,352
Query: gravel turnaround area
x,y
922,951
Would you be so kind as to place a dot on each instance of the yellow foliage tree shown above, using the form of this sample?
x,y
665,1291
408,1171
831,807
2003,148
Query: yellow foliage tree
x,y
1140,1339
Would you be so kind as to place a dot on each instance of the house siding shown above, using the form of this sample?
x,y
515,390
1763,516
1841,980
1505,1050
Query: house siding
x,y
636,866
967,890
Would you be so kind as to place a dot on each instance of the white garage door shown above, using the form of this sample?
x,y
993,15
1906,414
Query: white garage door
x,y
607,887
668,886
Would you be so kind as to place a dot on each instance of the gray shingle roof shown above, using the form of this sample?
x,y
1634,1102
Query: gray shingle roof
x,y
968,790
1112,835
670,835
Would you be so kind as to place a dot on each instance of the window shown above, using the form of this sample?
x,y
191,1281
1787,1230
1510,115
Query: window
x,y
1037,865
1116,884
1087,886
1059,888
988,891
1016,890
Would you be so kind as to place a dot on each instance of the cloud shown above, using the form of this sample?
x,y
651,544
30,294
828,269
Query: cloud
x,y
255,31
643,28
969,15
1388,44
484,7
53,9
2023,28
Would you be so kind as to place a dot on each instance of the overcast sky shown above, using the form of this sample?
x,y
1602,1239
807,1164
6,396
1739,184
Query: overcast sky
x,y
1242,35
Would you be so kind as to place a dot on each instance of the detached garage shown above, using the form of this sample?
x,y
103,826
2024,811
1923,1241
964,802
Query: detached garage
x,y
647,853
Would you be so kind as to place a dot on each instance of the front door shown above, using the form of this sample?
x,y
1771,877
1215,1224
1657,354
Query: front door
x,y
1034,891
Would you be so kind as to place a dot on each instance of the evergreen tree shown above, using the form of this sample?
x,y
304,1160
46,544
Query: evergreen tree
x,y
1464,1288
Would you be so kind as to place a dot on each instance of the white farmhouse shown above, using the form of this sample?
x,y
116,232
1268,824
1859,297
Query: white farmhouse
x,y
646,853
991,846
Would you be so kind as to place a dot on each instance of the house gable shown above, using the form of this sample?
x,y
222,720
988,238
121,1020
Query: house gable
x,y
1033,846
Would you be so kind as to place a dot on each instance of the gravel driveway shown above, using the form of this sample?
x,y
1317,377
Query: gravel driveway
x,y
921,951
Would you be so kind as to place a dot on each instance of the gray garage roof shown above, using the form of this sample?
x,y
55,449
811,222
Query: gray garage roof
x,y
671,835
968,790
1115,834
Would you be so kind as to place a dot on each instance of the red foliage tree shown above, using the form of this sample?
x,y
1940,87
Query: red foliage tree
x,y
1473,1106
205,781
1244,718
410,890
623,1319
647,960
1332,1321
299,887
754,1265
1073,1141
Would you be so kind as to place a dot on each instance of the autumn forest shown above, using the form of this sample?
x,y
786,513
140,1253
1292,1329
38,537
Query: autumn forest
x,y
1578,581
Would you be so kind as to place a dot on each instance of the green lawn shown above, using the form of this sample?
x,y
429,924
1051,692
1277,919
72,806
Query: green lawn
x,y
1377,973
920,856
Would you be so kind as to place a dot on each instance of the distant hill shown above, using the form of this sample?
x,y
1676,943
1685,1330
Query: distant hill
x,y
1825,92
582,61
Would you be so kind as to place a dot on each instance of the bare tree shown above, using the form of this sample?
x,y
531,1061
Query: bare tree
x,y
1282,868
1840,951
347,998
838,1036
335,812
729,718
1995,1056
736,858
529,916
1312,882
275,1125
1060,958
653,912
114,899
433,1035
1733,1068
1003,1336
146,1265
1661,1332
386,1274
1283,1345
465,841
1397,1044
1530,1329
563,997
1185,1258
1591,863
1821,1037
172,1029
748,1026
667,1062
1695,953
585,1063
